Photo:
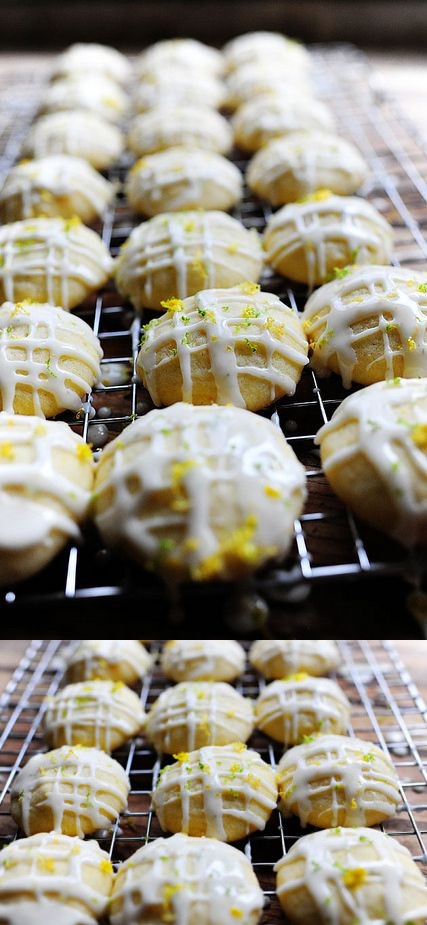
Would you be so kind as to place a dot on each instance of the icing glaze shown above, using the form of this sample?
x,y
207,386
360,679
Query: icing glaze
x,y
285,706
214,710
253,47
288,656
48,187
183,879
268,116
313,226
187,53
94,58
225,322
267,77
202,659
393,299
96,93
82,783
31,332
91,655
171,83
190,456
108,713
80,133
332,775
170,125
233,784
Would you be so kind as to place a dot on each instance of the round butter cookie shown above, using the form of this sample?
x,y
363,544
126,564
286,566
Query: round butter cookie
x,y
169,126
277,658
52,877
300,163
269,116
93,92
222,791
49,359
197,713
111,659
203,659
309,241
351,875
56,186
193,881
238,346
199,493
171,83
53,260
374,454
264,78
188,54
264,48
91,57
369,324
179,253
80,133
46,476
299,706
183,178
100,714
75,791
335,780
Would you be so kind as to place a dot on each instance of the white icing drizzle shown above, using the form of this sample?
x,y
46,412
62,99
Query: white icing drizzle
x,y
80,133
51,253
266,117
313,225
313,159
186,877
67,781
93,58
28,330
201,659
25,520
266,77
94,92
335,774
316,656
216,773
328,859
187,53
204,450
110,653
265,47
173,84
170,125
105,710
40,187
390,296
183,178
54,873
318,702
213,242
386,415
214,707
223,321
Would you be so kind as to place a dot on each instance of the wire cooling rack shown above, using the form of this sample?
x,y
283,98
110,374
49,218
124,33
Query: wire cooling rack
x,y
386,708
328,544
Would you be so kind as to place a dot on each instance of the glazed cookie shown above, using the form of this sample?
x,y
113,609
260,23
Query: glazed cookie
x,y
103,714
193,881
300,163
92,92
179,253
265,47
199,492
308,241
169,126
111,659
51,877
89,57
203,659
175,85
188,54
277,658
46,475
238,346
197,713
268,78
353,875
49,359
59,185
222,791
75,791
81,134
299,706
183,178
51,260
373,453
269,116
369,324
334,780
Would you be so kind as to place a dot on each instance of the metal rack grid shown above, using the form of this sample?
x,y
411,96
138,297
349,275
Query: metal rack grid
x,y
329,544
386,708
